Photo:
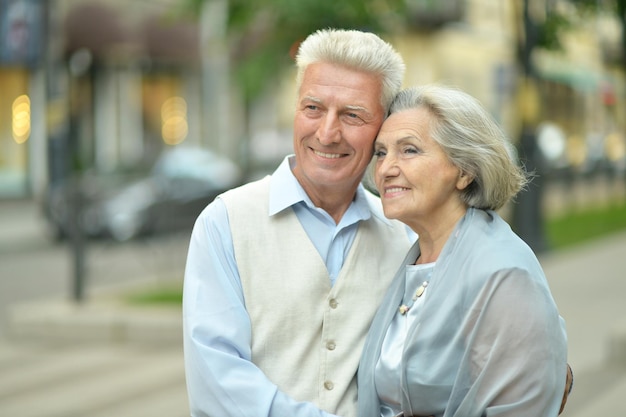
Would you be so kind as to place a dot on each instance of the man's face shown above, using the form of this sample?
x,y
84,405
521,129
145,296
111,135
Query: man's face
x,y
338,115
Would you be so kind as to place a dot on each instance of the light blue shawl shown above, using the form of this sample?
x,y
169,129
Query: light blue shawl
x,y
488,340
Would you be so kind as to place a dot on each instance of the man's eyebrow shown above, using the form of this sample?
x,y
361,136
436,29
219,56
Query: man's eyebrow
x,y
351,108
357,108
311,98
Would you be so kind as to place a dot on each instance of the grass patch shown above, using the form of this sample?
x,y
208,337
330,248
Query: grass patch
x,y
166,295
577,226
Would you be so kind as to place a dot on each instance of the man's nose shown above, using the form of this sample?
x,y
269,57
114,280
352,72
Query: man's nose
x,y
329,130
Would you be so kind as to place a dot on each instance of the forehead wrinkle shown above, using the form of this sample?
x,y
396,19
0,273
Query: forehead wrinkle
x,y
346,107
400,140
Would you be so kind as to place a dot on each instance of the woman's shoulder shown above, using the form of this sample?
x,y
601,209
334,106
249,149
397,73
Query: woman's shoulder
x,y
489,244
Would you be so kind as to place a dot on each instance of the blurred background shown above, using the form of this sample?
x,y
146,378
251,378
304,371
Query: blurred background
x,y
95,93
121,120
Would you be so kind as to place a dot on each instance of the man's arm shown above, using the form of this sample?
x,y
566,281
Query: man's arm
x,y
221,379
569,384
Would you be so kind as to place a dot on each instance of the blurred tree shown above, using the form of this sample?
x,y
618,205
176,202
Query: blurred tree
x,y
259,40
263,35
618,7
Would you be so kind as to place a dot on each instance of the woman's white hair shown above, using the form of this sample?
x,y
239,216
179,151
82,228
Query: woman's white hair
x,y
361,51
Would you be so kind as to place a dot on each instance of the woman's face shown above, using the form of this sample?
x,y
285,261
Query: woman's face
x,y
417,182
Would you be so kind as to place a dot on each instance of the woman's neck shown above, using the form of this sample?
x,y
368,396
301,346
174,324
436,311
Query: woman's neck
x,y
433,238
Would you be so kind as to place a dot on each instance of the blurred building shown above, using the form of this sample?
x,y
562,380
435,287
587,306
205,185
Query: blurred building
x,y
472,44
106,84
92,84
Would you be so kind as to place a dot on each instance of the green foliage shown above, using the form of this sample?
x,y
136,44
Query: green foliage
x,y
551,29
588,6
262,35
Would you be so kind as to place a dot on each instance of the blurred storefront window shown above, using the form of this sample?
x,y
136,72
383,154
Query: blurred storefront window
x,y
162,107
22,28
13,144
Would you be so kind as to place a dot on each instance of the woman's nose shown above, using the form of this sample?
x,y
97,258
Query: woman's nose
x,y
387,167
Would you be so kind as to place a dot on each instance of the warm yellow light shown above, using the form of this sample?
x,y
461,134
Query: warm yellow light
x,y
174,130
615,147
576,151
21,119
174,127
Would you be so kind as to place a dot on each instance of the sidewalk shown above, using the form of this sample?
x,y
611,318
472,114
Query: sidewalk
x,y
588,283
103,316
99,358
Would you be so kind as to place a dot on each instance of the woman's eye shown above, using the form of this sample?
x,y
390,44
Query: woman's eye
x,y
379,153
410,150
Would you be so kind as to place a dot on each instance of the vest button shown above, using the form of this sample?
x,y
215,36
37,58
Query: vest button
x,y
331,346
333,303
329,385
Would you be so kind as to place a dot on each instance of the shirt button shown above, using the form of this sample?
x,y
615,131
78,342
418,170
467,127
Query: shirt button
x,y
329,385
330,346
333,303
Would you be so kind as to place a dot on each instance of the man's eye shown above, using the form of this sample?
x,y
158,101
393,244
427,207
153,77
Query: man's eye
x,y
353,119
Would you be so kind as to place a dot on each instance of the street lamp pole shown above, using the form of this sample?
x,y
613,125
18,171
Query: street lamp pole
x,y
527,213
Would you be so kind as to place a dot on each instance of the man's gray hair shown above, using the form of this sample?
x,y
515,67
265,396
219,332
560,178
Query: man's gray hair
x,y
361,51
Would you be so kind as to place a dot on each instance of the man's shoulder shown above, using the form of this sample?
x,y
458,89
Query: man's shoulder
x,y
248,190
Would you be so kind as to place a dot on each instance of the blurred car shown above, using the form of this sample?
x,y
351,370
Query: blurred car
x,y
169,197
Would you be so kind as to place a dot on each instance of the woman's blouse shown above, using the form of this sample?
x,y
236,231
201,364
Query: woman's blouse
x,y
388,373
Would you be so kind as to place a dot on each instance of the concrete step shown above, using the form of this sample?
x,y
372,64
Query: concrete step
x,y
171,402
102,320
91,380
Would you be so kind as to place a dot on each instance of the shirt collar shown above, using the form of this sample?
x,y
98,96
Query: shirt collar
x,y
286,191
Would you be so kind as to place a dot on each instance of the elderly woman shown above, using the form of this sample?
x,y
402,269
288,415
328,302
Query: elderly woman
x,y
468,327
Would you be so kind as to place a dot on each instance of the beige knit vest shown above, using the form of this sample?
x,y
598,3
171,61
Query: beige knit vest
x,y
306,335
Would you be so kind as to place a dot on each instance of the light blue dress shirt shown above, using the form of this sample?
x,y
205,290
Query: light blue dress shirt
x,y
221,379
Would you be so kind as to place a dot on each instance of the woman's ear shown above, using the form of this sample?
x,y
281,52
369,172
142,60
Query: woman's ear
x,y
463,180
